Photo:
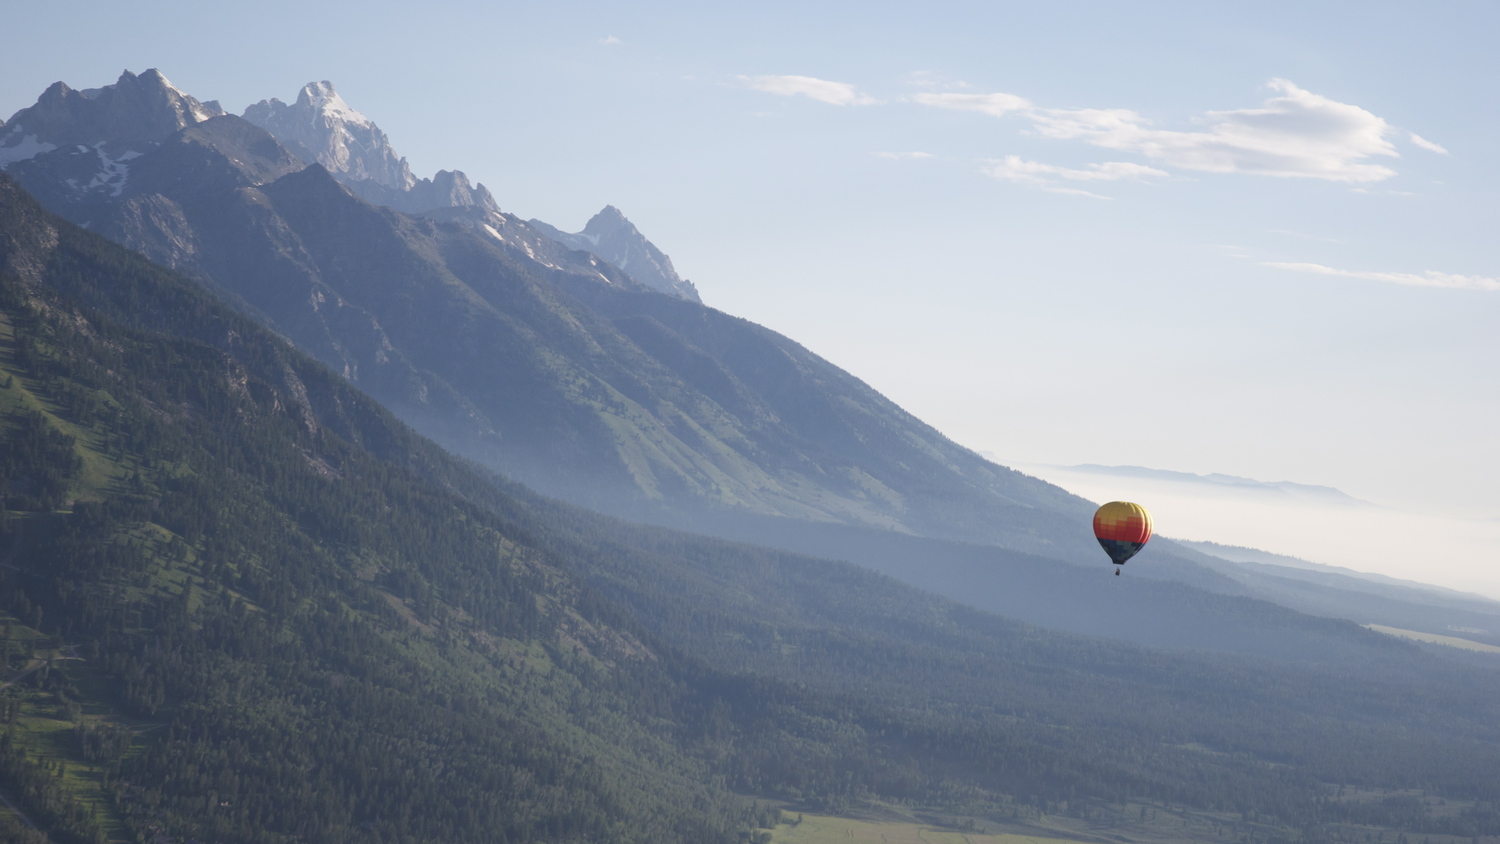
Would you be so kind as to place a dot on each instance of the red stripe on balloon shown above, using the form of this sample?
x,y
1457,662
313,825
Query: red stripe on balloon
x,y
1132,529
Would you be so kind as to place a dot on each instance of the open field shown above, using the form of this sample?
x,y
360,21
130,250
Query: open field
x,y
1434,638
822,829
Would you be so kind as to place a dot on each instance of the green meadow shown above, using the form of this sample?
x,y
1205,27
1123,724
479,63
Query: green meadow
x,y
823,829
1436,639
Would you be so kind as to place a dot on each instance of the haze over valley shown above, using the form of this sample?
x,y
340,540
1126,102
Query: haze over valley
x,y
1316,523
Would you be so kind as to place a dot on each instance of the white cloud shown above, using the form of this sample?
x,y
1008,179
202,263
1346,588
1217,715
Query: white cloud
x,y
1298,134
932,80
996,105
1231,250
899,155
610,39
1426,144
1013,168
822,90
1304,235
1431,278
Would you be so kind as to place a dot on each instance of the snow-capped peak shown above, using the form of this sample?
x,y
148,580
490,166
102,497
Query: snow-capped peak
x,y
321,127
611,236
321,98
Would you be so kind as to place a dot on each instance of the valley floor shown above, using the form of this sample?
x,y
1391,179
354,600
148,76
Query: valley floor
x,y
1128,824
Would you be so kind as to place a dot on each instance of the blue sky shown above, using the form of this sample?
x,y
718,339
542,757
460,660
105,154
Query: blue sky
x,y
1255,239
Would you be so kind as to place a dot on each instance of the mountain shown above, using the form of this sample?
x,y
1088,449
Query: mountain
x,y
1241,554
615,239
264,563
549,364
1358,596
243,603
1226,483
320,127
556,368
128,116
83,141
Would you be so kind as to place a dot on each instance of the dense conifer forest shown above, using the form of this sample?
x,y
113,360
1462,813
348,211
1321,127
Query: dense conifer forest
x,y
243,603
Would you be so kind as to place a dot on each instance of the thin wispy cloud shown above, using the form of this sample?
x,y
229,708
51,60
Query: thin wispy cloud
x,y
1296,135
1293,134
610,39
1431,278
1231,250
932,79
1426,144
1013,168
822,90
995,105
1303,236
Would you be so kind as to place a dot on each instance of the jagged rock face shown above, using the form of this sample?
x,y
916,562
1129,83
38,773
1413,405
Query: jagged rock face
x,y
320,127
615,239
134,113
447,189
80,144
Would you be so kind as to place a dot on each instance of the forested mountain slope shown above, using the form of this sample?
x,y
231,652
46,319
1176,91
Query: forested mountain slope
x,y
260,609
271,580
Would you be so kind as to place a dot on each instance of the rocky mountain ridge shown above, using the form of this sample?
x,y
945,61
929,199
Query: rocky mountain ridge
x,y
88,138
130,115
614,238
321,127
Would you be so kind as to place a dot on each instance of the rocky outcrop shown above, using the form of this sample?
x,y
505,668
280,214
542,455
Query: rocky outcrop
x,y
615,239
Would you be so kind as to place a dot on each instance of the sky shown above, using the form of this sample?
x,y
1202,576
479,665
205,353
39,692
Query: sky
x,y
1253,239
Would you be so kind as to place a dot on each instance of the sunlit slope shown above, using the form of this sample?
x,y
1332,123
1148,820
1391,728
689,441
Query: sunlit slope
x,y
1437,639
825,829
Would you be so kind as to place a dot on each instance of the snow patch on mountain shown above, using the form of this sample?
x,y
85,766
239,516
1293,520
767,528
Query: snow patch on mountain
x,y
328,102
112,171
23,148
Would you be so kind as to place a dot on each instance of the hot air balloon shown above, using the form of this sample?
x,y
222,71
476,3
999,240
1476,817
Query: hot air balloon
x,y
1123,529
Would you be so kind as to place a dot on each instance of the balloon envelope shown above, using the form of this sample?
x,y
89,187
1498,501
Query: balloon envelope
x,y
1123,528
